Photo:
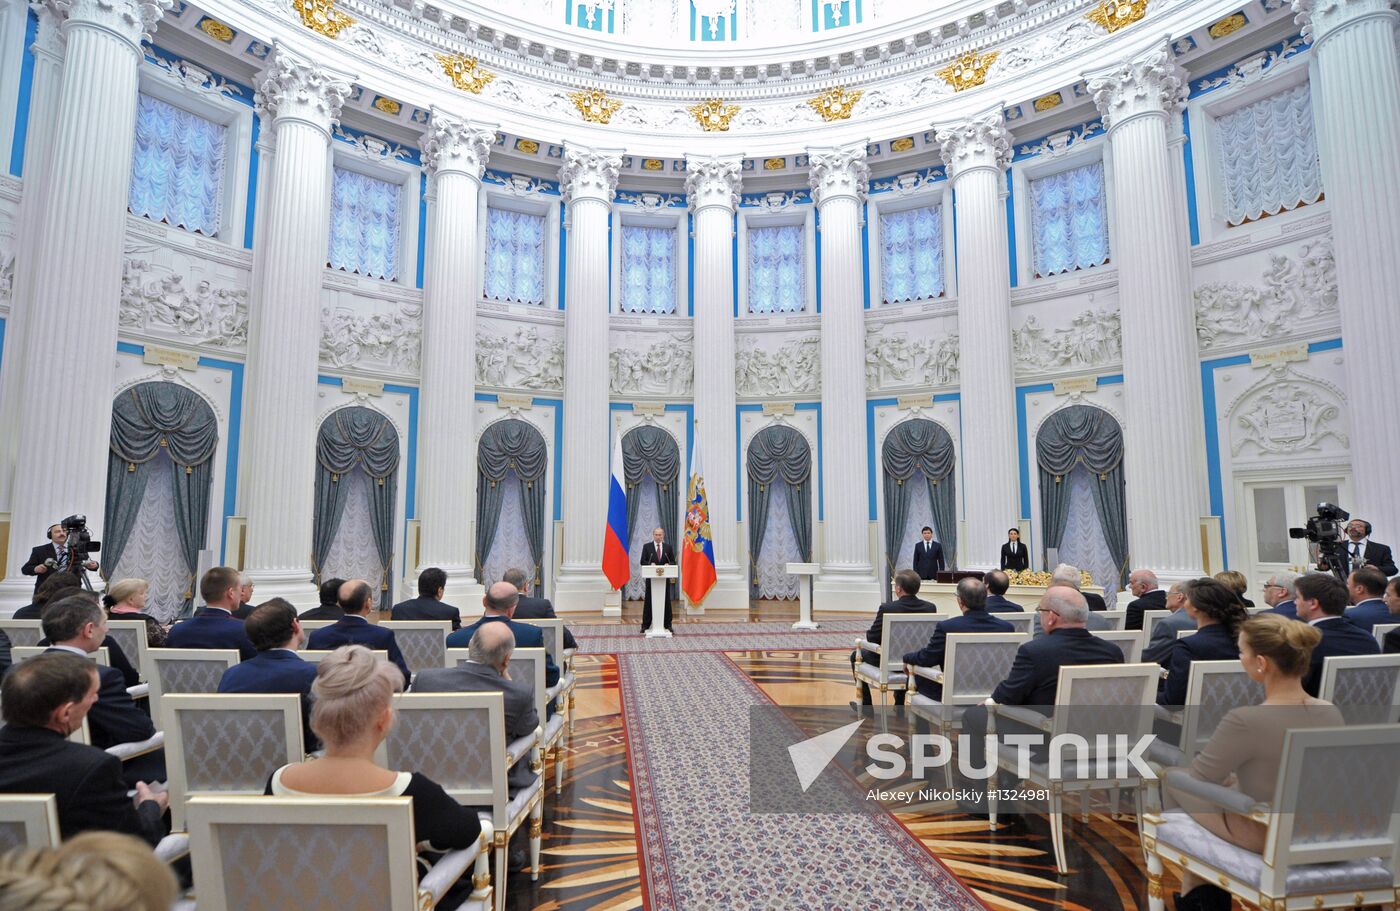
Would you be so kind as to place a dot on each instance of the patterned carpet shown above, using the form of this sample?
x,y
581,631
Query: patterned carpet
x,y
615,639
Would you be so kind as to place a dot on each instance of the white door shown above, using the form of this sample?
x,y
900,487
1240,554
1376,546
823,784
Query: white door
x,y
1273,507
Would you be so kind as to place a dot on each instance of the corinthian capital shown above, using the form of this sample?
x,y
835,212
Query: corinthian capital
x,y
133,20
294,89
589,173
978,142
1320,18
713,181
838,171
1150,84
455,146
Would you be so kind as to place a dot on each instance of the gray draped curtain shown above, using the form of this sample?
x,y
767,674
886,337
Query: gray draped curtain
x,y
920,446
356,439
778,453
652,451
1088,436
145,419
506,446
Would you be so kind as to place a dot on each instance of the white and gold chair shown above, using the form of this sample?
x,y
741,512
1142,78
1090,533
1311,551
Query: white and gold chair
x,y
346,853
1212,690
130,636
528,664
123,751
423,642
1116,617
315,655
23,632
25,652
973,665
308,626
1129,640
1023,623
1380,630
28,820
1149,622
553,630
187,670
1366,688
899,635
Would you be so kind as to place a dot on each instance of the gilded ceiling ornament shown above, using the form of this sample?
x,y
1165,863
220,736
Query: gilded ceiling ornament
x,y
713,114
216,30
1046,102
1228,26
969,70
1116,14
322,17
902,144
652,164
594,105
774,164
835,103
387,105
465,73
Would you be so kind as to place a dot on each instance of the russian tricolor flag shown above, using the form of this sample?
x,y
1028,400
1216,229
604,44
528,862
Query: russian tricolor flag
x,y
616,566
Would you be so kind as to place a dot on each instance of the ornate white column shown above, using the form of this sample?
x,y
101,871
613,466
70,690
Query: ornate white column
x,y
454,154
1163,439
75,269
302,103
838,177
713,188
587,179
976,152
1356,94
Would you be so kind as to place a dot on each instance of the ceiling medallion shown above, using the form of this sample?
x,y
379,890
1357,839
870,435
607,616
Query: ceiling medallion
x,y
1228,26
969,70
1046,102
652,164
713,114
902,144
387,105
774,164
216,30
594,105
835,103
464,72
322,17
1116,14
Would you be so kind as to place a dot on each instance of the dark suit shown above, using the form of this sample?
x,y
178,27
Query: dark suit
x,y
115,658
277,670
905,605
322,612
528,608
115,718
211,627
37,556
649,558
521,717
86,781
931,655
1287,609
1392,642
1339,637
1370,612
4,652
1096,601
1377,555
243,610
928,558
1164,639
1019,561
1000,604
1153,600
1209,643
526,636
354,629
422,608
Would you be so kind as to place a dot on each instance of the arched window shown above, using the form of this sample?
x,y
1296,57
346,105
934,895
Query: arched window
x,y
357,465
780,510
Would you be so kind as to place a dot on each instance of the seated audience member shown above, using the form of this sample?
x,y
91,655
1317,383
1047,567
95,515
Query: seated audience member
x,y
1069,576
528,608
1164,638
487,671
1322,599
1279,594
5,657
357,600
126,600
997,603
1392,601
498,606
1218,614
45,700
906,590
245,598
972,601
77,625
54,586
1366,588
1244,752
329,608
1235,582
432,583
1146,596
276,633
213,626
352,711
95,871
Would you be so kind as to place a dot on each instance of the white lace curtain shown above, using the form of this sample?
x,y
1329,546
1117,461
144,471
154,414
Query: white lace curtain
x,y
153,551
648,517
353,553
1069,220
1268,156
777,269
177,168
911,264
515,256
779,548
511,547
648,269
1083,544
364,236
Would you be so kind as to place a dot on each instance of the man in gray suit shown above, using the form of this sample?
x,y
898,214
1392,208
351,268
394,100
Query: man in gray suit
x,y
1067,575
1163,642
486,671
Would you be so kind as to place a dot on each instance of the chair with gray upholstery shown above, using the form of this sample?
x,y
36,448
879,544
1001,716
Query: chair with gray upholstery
x,y
1149,622
315,655
1333,838
423,642
553,631
25,652
1115,617
528,664
131,638
28,820
1380,630
1212,690
1129,640
973,665
187,670
899,635
22,632
1366,688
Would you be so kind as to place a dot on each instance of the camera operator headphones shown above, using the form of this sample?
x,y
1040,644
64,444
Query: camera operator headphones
x,y
49,534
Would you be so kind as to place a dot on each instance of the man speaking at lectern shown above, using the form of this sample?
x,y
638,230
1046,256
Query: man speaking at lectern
x,y
657,552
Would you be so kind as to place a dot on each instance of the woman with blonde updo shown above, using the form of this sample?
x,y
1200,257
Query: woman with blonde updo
x,y
1235,581
94,871
126,600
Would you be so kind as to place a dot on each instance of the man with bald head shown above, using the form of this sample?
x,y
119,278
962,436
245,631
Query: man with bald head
x,y
1147,595
356,599
497,608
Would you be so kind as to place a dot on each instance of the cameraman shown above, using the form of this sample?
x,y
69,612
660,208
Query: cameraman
x,y
51,557
1359,550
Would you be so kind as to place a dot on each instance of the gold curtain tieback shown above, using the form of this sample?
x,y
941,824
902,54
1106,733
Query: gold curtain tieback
x,y
1057,479
164,443
381,482
335,477
189,469
130,466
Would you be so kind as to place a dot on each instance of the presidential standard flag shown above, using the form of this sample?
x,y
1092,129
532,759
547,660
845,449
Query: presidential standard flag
x,y
615,563
698,552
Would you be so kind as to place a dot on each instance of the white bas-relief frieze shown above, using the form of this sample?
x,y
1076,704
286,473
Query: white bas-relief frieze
x,y
389,338
651,364
1296,289
201,315
520,359
893,359
1092,339
792,368
1286,414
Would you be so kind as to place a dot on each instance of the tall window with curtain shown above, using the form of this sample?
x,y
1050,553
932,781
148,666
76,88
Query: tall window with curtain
x,y
777,269
648,269
911,254
1268,156
364,235
1069,220
515,256
177,169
